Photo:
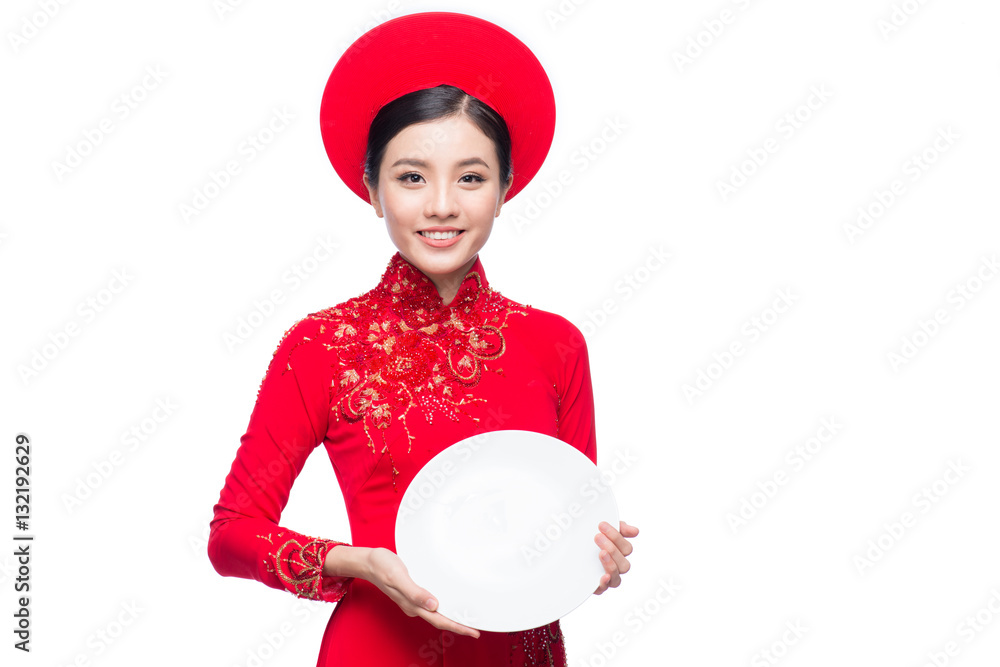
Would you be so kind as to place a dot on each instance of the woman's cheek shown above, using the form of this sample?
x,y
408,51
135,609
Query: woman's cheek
x,y
482,208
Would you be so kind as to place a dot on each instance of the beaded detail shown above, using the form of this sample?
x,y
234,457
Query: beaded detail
x,y
538,647
399,347
558,405
300,566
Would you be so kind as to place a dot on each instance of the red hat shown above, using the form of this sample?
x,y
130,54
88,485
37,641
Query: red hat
x,y
428,49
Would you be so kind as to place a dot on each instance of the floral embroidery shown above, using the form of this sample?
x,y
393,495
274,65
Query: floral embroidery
x,y
399,347
300,566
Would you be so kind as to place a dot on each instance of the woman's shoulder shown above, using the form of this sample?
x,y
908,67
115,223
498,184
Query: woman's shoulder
x,y
322,324
547,326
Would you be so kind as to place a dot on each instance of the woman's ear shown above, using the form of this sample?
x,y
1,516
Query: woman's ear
x,y
373,196
503,194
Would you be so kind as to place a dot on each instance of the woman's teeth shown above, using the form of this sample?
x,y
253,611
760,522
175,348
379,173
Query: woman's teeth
x,y
440,236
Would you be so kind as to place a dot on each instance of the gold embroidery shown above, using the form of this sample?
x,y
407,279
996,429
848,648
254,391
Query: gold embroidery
x,y
399,347
299,565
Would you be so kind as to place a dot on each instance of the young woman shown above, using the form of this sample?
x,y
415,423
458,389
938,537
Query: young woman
x,y
430,356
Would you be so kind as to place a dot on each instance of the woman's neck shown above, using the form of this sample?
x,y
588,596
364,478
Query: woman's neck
x,y
447,285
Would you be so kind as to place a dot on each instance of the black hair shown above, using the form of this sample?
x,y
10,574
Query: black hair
x,y
430,104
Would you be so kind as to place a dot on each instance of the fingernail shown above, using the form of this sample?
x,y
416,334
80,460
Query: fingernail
x,y
431,604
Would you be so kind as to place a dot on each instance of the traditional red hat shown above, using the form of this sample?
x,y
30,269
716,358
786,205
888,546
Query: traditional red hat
x,y
428,49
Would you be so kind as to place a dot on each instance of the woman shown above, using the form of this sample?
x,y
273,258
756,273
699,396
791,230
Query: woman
x,y
430,356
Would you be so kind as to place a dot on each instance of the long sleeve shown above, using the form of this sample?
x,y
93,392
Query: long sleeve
x,y
576,393
288,421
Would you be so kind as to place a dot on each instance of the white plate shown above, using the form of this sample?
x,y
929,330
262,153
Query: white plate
x,y
500,528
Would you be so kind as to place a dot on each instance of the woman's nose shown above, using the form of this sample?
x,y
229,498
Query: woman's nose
x,y
441,201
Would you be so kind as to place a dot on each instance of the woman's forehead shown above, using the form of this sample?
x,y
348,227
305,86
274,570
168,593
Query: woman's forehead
x,y
452,139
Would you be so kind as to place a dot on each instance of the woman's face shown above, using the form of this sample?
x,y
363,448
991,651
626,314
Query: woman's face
x,y
439,190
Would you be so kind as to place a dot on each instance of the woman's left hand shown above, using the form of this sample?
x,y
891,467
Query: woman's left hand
x,y
614,549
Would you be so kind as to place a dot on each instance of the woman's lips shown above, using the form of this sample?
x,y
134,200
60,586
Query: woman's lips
x,y
444,238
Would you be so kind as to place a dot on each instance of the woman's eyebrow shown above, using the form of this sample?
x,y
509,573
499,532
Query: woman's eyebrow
x,y
409,161
413,162
472,161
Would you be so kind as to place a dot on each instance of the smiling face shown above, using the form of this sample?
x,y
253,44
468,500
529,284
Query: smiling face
x,y
439,190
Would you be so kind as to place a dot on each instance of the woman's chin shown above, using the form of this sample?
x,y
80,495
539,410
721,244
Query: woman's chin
x,y
439,261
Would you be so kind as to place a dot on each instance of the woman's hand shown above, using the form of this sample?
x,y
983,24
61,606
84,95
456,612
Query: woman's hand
x,y
390,575
614,549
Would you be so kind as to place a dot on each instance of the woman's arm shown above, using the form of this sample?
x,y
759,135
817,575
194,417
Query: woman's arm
x,y
288,421
576,393
576,426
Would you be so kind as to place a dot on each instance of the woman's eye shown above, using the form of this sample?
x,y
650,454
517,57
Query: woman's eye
x,y
409,178
475,178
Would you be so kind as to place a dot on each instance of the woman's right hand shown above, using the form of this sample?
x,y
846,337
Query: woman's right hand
x,y
390,575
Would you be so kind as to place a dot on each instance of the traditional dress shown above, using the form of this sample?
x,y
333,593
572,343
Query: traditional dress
x,y
384,382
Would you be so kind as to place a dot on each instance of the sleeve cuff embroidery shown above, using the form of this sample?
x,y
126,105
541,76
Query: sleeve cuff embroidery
x,y
297,560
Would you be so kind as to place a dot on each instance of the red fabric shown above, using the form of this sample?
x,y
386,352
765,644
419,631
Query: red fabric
x,y
384,382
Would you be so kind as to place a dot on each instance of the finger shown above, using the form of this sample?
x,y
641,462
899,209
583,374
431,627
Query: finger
x,y
612,569
603,585
411,598
424,600
609,566
416,596
627,530
610,578
623,545
621,563
444,623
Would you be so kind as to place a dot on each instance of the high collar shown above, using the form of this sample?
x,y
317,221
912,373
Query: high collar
x,y
410,287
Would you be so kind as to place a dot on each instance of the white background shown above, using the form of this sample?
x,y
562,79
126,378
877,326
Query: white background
x,y
673,131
